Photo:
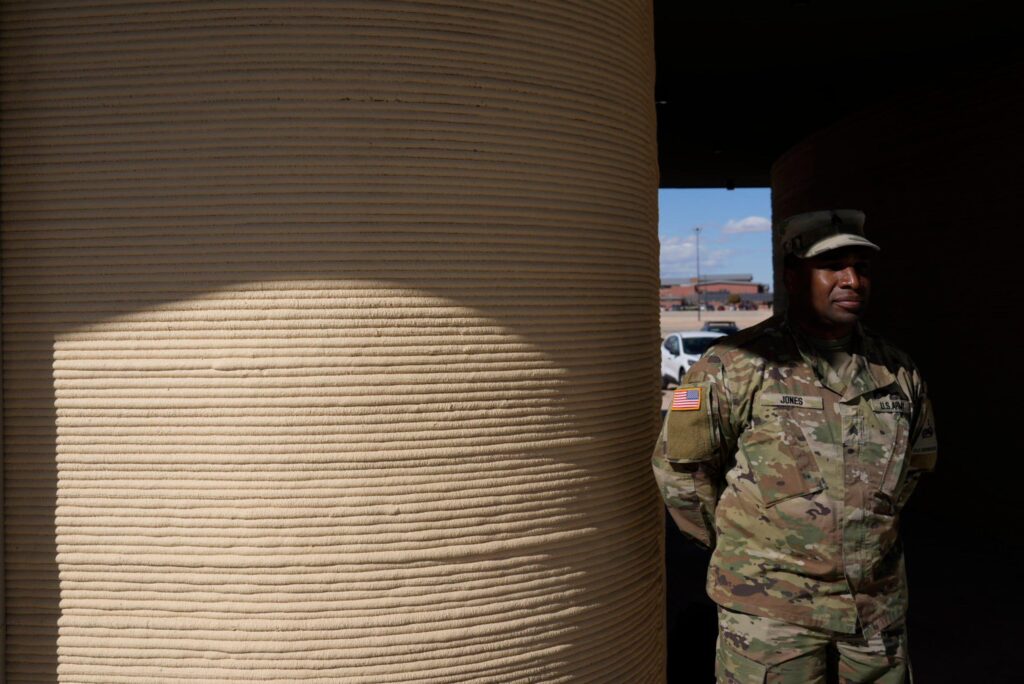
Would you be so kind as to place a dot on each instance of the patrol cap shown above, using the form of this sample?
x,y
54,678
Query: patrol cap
x,y
816,232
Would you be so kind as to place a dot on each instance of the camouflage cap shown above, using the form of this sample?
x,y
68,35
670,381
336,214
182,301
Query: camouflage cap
x,y
816,232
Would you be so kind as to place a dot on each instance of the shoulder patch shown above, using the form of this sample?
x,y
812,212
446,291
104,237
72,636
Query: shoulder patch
x,y
687,399
690,432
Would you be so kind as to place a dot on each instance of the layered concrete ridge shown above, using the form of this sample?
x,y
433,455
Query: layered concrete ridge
x,y
331,328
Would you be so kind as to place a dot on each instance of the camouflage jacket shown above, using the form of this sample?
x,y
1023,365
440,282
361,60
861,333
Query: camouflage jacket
x,y
797,478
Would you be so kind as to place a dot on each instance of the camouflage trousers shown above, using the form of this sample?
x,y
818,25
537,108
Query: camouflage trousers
x,y
759,650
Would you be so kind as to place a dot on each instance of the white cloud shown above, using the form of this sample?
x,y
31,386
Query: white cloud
x,y
678,250
750,224
678,257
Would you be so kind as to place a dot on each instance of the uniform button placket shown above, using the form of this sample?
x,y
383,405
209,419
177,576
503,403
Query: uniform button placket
x,y
851,429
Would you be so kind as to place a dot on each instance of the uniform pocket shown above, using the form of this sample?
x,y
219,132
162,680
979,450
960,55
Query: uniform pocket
x,y
781,461
884,442
882,462
895,449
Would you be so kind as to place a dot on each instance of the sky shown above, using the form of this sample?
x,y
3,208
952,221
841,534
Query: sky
x,y
735,232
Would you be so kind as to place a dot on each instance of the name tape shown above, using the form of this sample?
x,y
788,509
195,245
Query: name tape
x,y
792,401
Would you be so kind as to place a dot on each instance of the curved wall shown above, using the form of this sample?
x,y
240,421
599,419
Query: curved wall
x,y
331,329
938,172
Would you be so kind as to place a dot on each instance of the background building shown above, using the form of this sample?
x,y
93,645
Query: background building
x,y
736,290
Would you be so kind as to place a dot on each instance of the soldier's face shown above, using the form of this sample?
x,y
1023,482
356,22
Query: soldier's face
x,y
831,290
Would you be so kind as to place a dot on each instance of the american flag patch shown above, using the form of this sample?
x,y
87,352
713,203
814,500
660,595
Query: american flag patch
x,y
686,399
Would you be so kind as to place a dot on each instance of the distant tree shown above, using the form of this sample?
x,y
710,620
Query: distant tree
x,y
734,298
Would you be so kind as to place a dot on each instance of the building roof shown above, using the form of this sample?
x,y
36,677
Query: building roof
x,y
717,278
724,296
726,278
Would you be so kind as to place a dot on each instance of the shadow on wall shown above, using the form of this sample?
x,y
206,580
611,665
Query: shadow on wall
x,y
353,357
324,451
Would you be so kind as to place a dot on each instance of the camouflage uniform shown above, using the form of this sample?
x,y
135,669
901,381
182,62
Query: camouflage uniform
x,y
753,649
796,476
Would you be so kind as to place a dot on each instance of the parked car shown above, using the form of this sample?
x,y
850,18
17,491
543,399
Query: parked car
x,y
724,327
680,350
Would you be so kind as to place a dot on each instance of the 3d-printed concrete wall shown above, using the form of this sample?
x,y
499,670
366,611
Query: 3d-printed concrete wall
x,y
329,338
938,172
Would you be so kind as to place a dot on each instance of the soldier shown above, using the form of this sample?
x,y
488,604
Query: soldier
x,y
790,449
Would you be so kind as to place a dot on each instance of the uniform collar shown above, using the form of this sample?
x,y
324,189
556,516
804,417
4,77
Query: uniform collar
x,y
874,363
869,373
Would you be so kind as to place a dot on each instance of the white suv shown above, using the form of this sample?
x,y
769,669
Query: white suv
x,y
681,350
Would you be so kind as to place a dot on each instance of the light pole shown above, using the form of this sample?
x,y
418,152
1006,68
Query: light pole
x,y
696,287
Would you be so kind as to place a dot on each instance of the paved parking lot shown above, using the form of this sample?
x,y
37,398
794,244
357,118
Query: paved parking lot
x,y
678,321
